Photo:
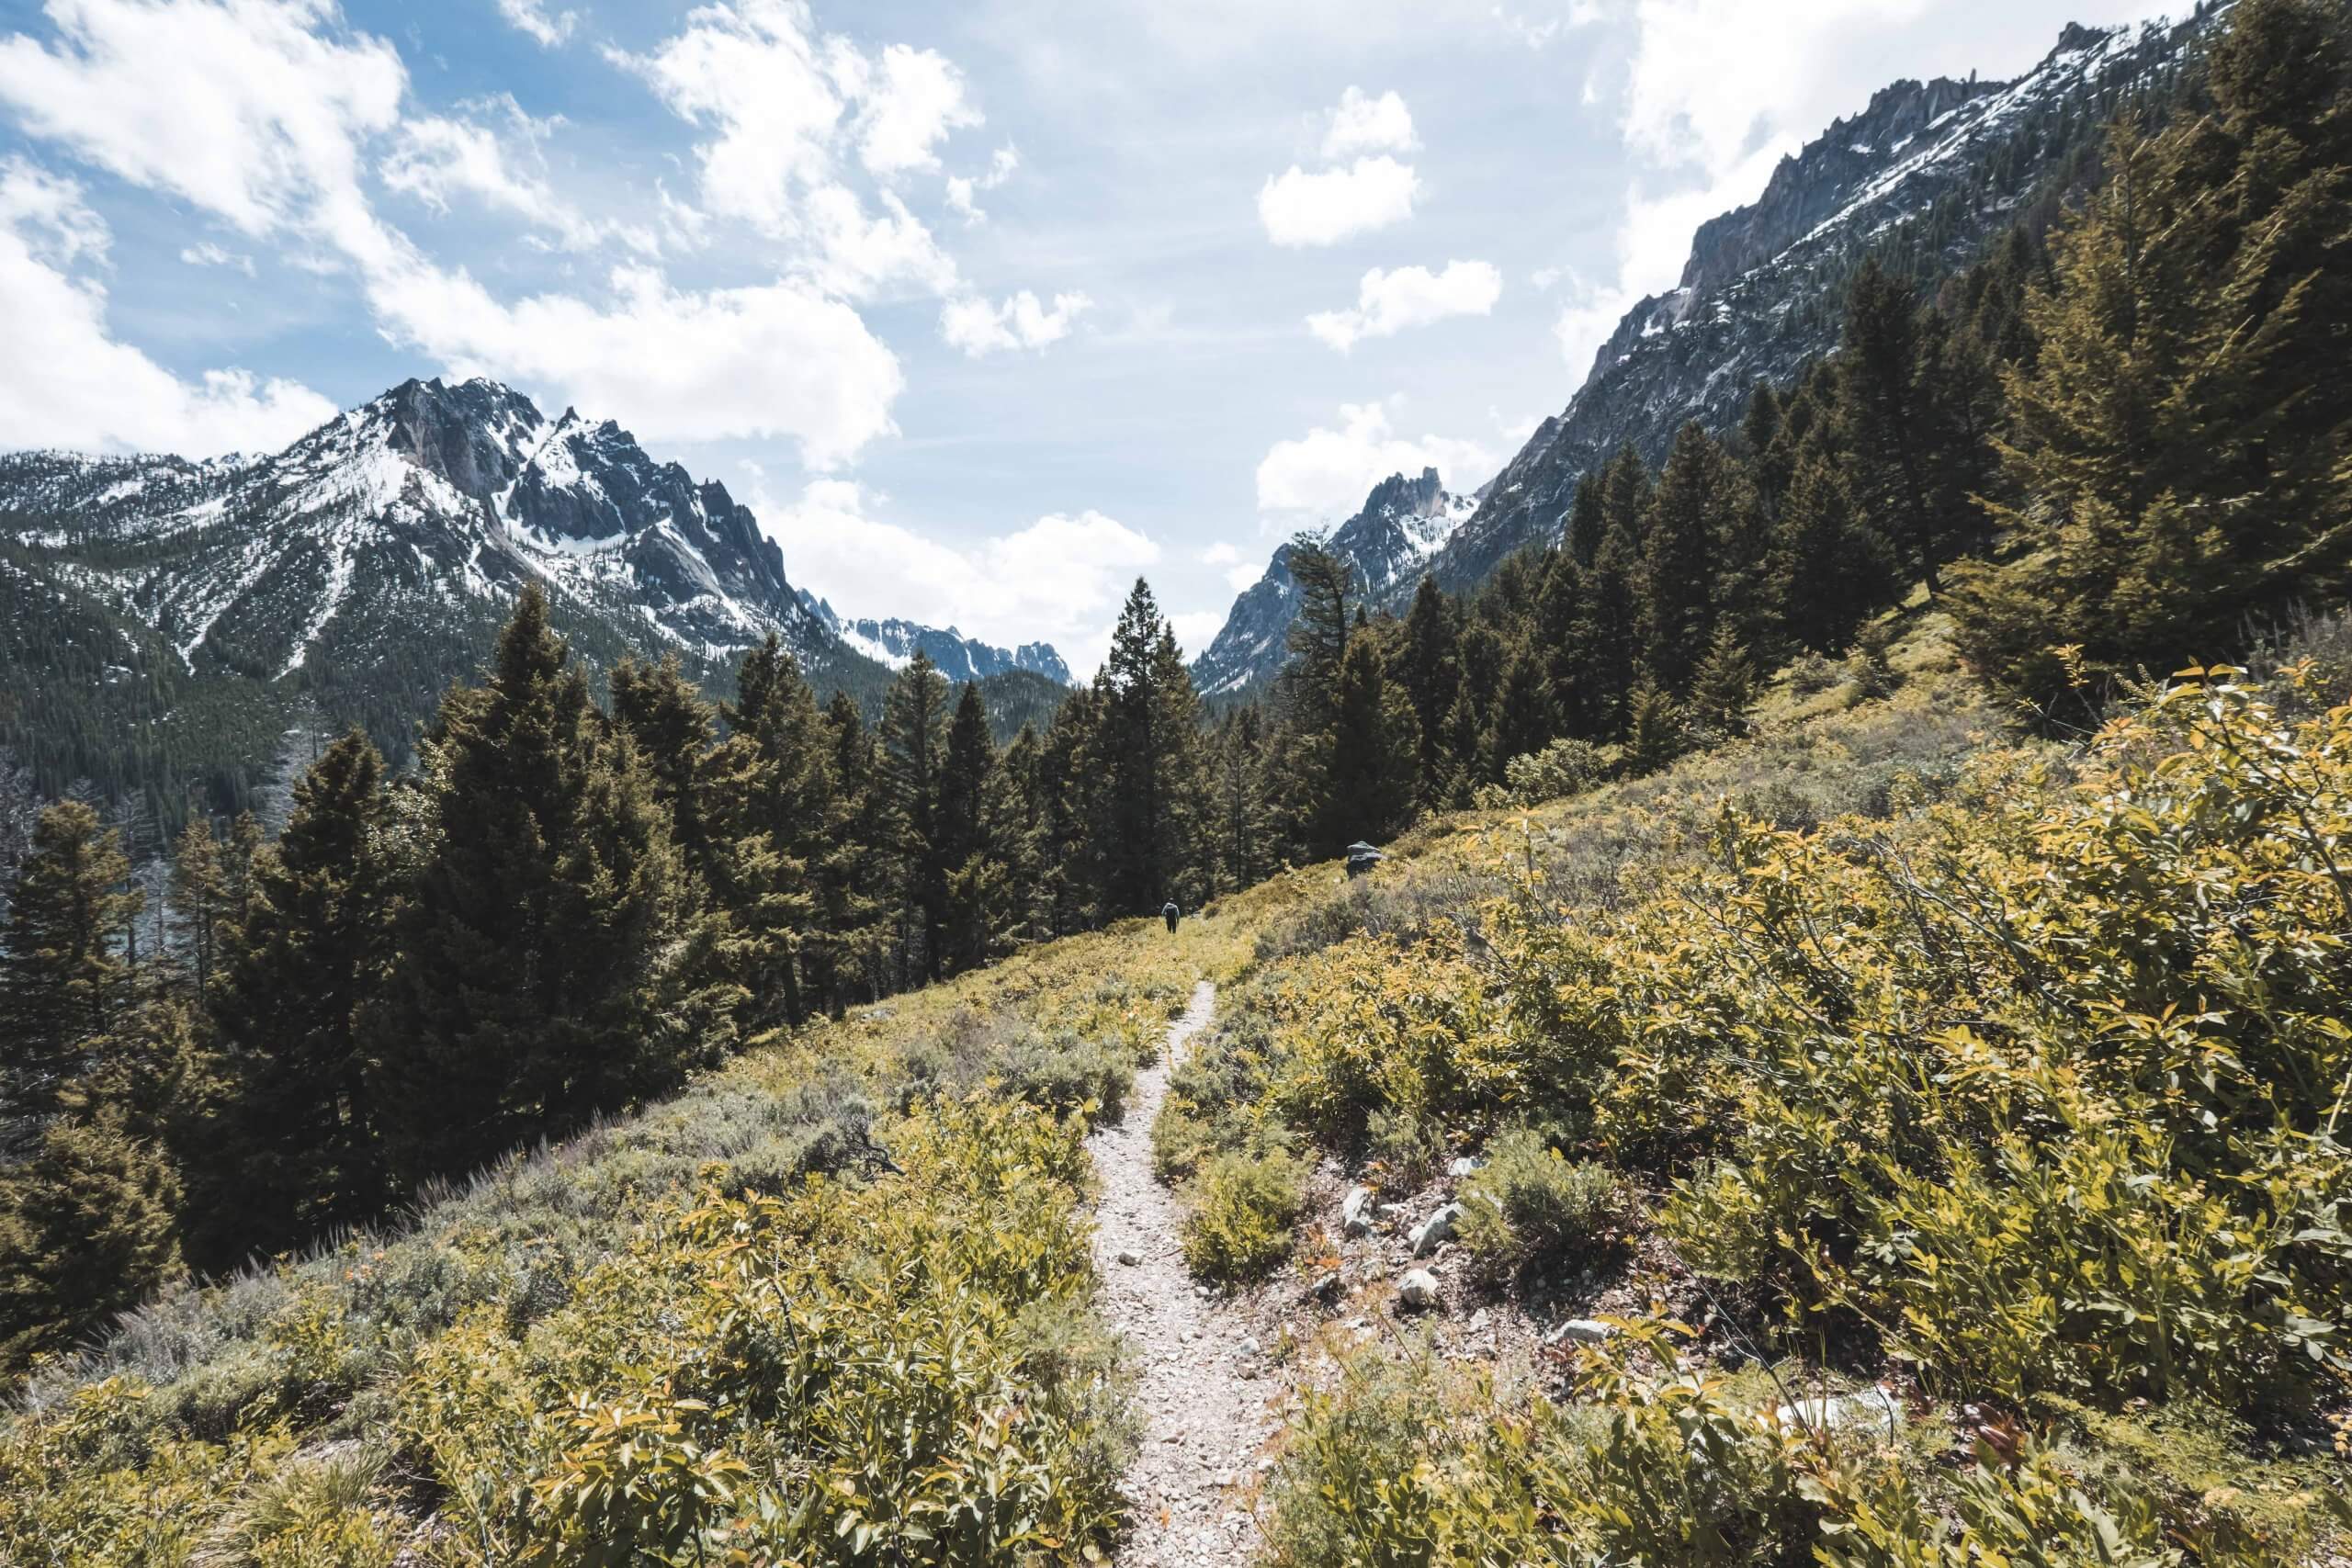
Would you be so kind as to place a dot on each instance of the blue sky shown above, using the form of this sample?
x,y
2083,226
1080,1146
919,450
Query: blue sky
x,y
985,307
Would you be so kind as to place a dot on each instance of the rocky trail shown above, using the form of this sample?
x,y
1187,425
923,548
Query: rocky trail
x,y
1205,1389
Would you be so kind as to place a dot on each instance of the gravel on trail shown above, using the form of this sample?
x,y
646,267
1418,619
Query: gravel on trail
x,y
1204,1390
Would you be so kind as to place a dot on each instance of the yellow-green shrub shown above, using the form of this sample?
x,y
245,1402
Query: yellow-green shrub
x,y
1239,1213
1526,1203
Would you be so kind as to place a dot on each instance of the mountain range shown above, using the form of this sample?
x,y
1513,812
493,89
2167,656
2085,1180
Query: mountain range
x,y
350,577
1924,178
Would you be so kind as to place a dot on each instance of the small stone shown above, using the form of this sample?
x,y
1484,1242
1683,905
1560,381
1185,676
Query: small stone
x,y
1265,1463
1466,1166
1579,1331
1478,1320
1224,1478
1249,1345
1870,1407
1326,1287
1417,1289
1355,1218
1437,1227
1130,1257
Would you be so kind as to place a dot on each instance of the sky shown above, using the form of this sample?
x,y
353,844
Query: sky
x,y
985,307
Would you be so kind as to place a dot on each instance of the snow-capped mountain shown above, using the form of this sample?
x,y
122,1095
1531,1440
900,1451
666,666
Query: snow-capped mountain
x,y
894,642
431,503
1928,174
1390,542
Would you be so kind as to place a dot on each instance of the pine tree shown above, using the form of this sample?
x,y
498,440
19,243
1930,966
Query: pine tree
x,y
1833,572
853,919
672,725
1655,732
63,981
1680,532
200,903
770,817
914,740
303,1122
1430,674
86,1231
1525,719
1724,687
1375,757
1149,742
975,889
533,948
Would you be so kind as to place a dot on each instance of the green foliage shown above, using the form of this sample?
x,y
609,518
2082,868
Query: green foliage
x,y
1526,1206
1240,1212
1564,767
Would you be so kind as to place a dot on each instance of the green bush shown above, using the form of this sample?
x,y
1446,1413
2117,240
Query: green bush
x,y
1526,1205
1241,1209
1564,767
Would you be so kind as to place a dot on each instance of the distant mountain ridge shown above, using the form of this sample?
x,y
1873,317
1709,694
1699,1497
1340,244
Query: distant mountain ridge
x,y
894,643
359,570
1939,167
1403,524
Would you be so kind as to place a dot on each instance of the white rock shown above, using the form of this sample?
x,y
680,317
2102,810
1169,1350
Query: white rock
x,y
1463,1166
1845,1412
1355,1218
1130,1257
1417,1289
1249,1345
1478,1320
1437,1227
1579,1331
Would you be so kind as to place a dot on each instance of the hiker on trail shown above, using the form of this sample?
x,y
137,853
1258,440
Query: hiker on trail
x,y
1169,911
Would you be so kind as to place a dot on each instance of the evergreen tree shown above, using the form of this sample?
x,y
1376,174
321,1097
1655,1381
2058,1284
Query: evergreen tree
x,y
200,903
977,890
86,1232
533,951
771,815
1431,675
1724,687
1371,789
853,918
1149,743
666,716
914,743
1524,721
64,979
1655,732
1683,524
1834,573
303,1121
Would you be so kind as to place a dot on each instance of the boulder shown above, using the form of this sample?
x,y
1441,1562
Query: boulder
x,y
1437,1227
1466,1166
1579,1331
1417,1289
1355,1212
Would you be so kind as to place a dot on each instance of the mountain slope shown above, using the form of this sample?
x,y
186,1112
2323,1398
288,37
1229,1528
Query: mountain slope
x,y
1923,178
895,642
1402,525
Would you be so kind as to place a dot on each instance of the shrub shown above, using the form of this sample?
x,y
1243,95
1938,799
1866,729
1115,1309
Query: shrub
x,y
1526,1205
1564,767
1240,1212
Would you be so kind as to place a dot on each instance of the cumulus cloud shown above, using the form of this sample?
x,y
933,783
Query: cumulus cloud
x,y
1326,473
1365,124
435,159
962,188
1061,578
531,18
253,117
913,101
979,328
1388,303
93,391
1322,208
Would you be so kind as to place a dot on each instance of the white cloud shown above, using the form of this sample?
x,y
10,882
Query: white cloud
x,y
1388,303
1237,573
207,254
531,18
1062,578
961,189
1195,630
775,360
1300,208
859,257
435,158
979,328
911,104
1366,124
249,114
91,391
1220,554
1326,473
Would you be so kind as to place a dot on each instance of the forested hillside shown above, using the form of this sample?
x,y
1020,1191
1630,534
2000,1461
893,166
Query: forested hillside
x,y
1845,1060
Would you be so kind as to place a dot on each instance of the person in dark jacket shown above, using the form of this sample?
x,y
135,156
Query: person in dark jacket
x,y
1169,911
